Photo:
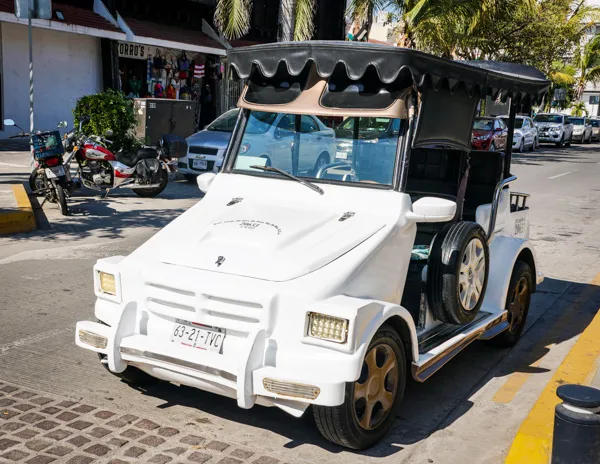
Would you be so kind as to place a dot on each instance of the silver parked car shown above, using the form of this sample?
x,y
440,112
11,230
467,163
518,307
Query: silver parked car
x,y
595,122
554,128
582,129
525,135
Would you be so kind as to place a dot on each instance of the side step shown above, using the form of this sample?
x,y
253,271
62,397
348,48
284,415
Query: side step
x,y
437,348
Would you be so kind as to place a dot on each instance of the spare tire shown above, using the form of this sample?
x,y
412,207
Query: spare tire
x,y
458,272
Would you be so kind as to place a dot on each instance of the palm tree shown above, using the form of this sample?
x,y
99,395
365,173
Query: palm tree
x,y
232,18
586,64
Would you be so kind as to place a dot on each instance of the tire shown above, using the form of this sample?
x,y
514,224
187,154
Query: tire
x,y
568,142
522,146
589,140
321,161
342,424
492,147
456,282
152,192
533,146
131,375
61,199
36,182
562,142
191,178
517,305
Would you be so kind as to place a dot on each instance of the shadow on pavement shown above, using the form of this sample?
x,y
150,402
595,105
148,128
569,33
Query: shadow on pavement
x,y
572,154
435,404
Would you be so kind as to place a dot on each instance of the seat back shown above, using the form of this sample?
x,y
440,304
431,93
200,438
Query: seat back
x,y
487,169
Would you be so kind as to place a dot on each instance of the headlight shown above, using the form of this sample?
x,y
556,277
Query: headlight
x,y
108,283
329,328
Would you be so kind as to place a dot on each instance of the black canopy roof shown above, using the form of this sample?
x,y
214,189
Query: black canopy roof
x,y
493,78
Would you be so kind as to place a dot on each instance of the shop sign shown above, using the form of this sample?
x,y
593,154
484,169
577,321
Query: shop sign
x,y
131,50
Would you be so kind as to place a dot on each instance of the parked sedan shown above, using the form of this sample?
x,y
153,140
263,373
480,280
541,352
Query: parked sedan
x,y
525,135
207,147
489,134
582,129
595,129
370,130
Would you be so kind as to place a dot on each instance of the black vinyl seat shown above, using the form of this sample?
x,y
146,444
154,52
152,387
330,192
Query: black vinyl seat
x,y
487,169
132,160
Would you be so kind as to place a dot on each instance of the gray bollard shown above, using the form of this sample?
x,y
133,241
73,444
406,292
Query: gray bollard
x,y
577,426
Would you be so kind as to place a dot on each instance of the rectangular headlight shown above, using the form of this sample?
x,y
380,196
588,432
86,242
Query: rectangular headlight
x,y
108,283
329,328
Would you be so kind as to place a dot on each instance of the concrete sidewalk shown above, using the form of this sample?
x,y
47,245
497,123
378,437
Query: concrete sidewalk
x,y
16,212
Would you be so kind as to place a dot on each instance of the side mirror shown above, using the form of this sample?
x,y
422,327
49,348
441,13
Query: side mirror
x,y
62,124
204,181
108,133
9,122
432,209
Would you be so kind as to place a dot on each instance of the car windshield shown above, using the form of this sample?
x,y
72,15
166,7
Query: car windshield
x,y
595,123
553,118
303,146
483,124
518,122
224,123
577,121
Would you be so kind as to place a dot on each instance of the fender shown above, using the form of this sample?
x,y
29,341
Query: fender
x,y
504,252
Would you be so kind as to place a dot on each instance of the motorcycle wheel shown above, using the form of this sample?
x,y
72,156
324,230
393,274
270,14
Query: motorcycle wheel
x,y
152,192
61,198
36,183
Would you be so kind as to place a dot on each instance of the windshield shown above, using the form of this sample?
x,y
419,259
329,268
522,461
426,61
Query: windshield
x,y
483,124
518,122
577,121
553,118
224,123
303,146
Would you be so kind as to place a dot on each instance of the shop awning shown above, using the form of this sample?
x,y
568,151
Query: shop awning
x,y
67,18
164,36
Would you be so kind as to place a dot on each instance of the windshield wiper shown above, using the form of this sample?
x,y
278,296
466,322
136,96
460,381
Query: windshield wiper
x,y
314,187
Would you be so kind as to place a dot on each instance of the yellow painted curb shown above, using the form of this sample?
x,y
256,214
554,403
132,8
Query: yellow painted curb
x,y
21,219
533,443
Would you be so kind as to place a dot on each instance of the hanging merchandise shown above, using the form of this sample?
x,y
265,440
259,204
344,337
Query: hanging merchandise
x,y
171,92
183,74
184,63
159,91
158,61
199,71
149,69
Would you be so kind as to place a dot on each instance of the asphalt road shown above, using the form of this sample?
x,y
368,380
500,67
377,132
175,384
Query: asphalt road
x,y
468,412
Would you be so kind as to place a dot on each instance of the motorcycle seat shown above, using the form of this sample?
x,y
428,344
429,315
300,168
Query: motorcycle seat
x,y
132,160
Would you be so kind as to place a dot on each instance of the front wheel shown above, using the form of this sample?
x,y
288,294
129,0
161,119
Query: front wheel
x,y
61,199
568,142
152,192
373,401
517,305
562,141
522,146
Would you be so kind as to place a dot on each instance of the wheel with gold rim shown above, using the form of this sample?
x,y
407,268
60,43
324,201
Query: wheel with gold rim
x,y
372,402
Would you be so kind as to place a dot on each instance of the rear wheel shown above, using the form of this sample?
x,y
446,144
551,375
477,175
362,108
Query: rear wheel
x,y
152,192
61,199
517,305
372,402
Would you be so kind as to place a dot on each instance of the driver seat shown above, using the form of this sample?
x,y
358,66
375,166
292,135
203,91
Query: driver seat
x,y
132,160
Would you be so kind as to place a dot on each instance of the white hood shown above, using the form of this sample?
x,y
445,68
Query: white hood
x,y
265,237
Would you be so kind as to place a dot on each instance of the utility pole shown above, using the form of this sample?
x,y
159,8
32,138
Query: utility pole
x,y
30,13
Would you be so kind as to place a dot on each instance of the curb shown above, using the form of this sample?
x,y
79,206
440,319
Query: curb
x,y
533,442
21,219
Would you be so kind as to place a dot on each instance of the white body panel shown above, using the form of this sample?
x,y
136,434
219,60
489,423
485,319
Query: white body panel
x,y
256,267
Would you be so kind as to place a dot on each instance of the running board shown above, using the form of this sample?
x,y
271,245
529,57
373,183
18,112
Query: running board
x,y
436,349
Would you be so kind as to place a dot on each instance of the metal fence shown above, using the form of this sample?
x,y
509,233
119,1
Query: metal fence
x,y
229,91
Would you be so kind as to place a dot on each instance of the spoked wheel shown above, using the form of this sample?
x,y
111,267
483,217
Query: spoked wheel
x,y
517,305
152,192
472,274
36,183
61,199
372,402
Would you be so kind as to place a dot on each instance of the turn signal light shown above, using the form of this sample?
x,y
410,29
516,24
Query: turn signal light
x,y
92,339
297,390
329,328
108,283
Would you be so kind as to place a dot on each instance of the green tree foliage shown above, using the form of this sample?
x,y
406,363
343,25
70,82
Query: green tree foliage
x,y
579,109
108,110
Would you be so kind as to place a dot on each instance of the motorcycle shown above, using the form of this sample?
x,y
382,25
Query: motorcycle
x,y
50,177
146,171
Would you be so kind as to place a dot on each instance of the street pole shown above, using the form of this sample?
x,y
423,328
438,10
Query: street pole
x,y
30,31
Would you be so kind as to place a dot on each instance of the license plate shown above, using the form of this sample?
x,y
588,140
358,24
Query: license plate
x,y
341,155
199,164
53,173
201,338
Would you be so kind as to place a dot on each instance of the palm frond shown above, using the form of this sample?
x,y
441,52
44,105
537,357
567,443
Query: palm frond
x,y
359,10
304,26
562,78
232,17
